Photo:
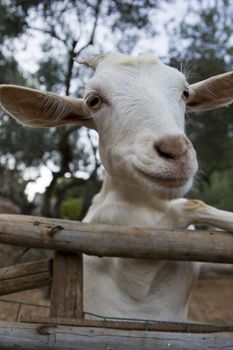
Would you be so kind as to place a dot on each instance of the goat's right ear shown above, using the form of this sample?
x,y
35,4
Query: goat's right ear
x,y
211,93
43,109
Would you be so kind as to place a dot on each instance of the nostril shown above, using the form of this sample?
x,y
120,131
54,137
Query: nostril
x,y
162,153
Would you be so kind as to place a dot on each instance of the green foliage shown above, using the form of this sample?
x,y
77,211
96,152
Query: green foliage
x,y
132,13
71,208
11,22
9,70
205,49
218,191
50,74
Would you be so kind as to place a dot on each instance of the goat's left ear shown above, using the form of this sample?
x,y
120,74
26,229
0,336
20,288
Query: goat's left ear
x,y
211,93
43,109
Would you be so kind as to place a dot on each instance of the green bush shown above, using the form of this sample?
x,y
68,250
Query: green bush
x,y
218,192
71,208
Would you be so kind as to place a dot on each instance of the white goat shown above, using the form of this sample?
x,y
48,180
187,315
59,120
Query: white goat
x,y
137,106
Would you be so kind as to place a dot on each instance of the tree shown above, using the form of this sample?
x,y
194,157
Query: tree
x,y
69,28
217,190
205,43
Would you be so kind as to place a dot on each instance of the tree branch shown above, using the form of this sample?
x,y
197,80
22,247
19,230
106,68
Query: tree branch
x,y
66,157
91,39
94,150
70,67
64,147
51,32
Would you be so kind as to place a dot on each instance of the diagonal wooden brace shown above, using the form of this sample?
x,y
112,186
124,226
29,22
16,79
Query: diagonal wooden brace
x,y
25,276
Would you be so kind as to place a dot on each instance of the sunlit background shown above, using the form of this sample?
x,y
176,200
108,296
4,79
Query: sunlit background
x,y
56,172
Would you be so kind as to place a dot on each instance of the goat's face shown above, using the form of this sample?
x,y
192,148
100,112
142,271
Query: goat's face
x,y
137,105
139,111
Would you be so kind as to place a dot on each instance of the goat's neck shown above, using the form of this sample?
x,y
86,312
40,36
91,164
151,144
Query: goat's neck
x,y
132,194
122,204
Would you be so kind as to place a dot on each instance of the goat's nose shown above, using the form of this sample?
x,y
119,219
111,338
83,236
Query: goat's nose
x,y
172,147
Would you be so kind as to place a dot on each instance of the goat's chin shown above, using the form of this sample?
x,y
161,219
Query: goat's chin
x,y
174,193
165,186
164,192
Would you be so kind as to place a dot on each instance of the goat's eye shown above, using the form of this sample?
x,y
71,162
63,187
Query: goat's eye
x,y
93,101
185,94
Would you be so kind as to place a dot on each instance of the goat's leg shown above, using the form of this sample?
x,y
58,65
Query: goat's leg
x,y
200,213
185,212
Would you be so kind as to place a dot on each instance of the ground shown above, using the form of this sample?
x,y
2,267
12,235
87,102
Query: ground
x,y
212,301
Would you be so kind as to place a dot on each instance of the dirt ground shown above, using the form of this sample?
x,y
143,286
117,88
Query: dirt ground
x,y
212,301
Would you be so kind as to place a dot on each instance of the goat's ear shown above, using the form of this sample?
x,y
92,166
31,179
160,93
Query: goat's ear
x,y
43,109
211,93
91,61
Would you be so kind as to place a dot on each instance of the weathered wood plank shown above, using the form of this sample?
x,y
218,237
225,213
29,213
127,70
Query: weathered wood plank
x,y
67,286
118,241
25,276
43,337
158,326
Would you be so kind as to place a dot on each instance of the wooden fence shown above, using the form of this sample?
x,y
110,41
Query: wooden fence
x,y
66,328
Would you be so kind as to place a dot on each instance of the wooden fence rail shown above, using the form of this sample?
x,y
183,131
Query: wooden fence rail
x,y
116,241
56,337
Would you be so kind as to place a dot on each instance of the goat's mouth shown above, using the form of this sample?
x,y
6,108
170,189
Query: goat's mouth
x,y
165,181
165,187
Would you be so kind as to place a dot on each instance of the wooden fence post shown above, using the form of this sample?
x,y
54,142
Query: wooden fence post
x,y
67,286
